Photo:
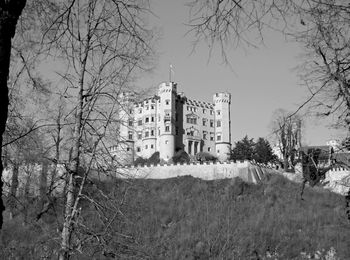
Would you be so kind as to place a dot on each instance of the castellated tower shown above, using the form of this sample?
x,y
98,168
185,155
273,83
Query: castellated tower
x,y
222,103
167,98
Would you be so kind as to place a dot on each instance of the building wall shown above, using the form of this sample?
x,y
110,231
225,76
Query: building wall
x,y
169,121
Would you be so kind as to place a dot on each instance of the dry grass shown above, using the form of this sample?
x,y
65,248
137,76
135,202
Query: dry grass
x,y
188,218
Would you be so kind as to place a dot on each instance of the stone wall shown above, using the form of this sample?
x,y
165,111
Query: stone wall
x,y
207,171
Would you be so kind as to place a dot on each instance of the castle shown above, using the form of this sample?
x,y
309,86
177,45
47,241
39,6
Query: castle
x,y
169,121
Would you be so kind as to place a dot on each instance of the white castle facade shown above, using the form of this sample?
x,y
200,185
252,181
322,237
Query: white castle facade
x,y
168,122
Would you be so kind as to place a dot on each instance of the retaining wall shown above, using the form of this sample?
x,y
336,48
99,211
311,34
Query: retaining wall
x,y
207,171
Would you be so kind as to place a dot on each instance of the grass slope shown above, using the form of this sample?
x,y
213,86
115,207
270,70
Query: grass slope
x,y
188,218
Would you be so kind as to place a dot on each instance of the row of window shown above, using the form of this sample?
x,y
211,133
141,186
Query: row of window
x,y
195,109
204,122
167,129
149,133
138,149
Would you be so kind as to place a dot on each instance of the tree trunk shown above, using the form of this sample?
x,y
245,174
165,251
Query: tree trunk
x,y
9,13
43,183
28,182
285,163
13,189
74,163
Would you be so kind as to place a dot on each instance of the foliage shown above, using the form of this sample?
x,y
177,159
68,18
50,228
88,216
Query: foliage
x,y
154,159
248,149
188,218
140,161
243,150
181,157
205,157
263,152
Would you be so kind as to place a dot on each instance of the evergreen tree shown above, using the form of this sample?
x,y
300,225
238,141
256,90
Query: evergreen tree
x,y
263,152
243,150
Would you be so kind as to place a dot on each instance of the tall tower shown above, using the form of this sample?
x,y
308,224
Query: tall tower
x,y
167,94
222,104
124,150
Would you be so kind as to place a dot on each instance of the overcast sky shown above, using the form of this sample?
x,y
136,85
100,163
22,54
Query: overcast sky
x,y
260,80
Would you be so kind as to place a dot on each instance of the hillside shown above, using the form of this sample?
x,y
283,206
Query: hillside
x,y
188,218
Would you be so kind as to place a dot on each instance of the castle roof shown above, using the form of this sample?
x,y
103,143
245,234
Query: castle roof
x,y
197,103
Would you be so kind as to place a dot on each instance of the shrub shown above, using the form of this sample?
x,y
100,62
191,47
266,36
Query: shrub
x,y
181,157
205,157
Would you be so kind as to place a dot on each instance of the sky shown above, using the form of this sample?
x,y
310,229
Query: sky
x,y
259,80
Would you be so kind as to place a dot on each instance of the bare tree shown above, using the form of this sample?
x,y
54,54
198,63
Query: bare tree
x,y
9,13
286,131
101,44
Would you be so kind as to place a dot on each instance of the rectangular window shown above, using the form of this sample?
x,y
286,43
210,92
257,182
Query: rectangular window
x,y
204,135
130,135
138,149
218,137
128,149
130,111
209,149
152,132
152,107
211,123
191,120
139,136
218,123
218,112
204,111
147,107
211,112
139,122
167,128
146,146
146,134
151,146
152,119
147,119
211,136
130,123
204,122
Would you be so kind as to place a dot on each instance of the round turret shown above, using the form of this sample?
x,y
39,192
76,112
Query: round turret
x,y
167,94
222,103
